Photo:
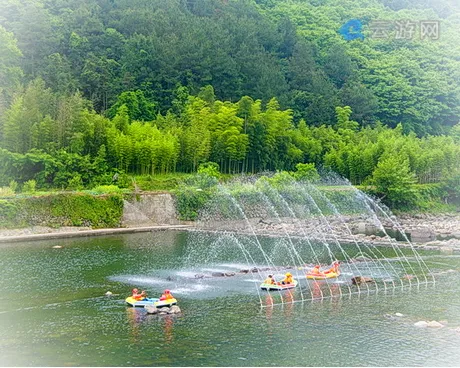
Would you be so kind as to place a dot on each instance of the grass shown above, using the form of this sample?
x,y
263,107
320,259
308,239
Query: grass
x,y
160,182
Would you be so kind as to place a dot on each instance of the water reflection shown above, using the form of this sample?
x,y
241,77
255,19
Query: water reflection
x,y
136,316
289,303
168,322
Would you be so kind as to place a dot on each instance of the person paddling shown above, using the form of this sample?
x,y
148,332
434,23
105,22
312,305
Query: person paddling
x,y
288,279
138,296
166,295
270,280
334,268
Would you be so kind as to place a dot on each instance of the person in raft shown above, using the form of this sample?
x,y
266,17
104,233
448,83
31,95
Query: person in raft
x,y
288,279
139,296
166,295
334,268
316,271
270,280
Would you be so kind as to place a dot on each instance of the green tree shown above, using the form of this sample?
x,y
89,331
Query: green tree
x,y
394,182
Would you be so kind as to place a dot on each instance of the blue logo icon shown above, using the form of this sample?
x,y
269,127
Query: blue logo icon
x,y
351,30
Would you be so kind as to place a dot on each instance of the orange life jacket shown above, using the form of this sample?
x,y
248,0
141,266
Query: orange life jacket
x,y
166,296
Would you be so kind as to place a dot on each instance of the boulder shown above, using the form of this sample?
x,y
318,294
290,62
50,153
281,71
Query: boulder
x,y
163,310
421,324
358,280
217,274
422,235
399,315
434,324
108,293
151,309
244,271
174,310
57,247
365,228
229,274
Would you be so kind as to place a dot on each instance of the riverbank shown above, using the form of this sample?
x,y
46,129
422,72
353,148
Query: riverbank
x,y
43,232
437,232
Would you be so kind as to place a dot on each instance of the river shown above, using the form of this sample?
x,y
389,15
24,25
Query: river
x,y
54,312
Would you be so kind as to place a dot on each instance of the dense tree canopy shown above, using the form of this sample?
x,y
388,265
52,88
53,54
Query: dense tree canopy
x,y
91,88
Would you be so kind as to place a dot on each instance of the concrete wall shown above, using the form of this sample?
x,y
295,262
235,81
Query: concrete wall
x,y
150,209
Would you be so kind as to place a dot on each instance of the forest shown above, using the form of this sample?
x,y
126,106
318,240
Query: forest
x,y
94,92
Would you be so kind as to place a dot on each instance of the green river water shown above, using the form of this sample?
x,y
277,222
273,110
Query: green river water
x,y
53,311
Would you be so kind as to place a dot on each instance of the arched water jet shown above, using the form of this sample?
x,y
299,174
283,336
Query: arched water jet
x,y
294,254
305,236
313,202
282,213
337,214
398,227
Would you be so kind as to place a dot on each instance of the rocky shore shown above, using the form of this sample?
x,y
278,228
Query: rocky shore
x,y
438,232
422,230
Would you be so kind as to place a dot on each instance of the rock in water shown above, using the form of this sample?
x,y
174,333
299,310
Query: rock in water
x,y
399,315
57,247
357,280
163,310
421,324
108,293
435,324
174,310
151,309
217,274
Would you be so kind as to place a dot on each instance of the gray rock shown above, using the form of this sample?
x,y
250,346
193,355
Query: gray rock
x,y
421,324
174,310
229,274
164,310
422,235
434,324
217,274
151,309
358,280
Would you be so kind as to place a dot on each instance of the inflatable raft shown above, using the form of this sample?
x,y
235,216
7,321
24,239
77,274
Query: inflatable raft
x,y
322,276
150,302
278,286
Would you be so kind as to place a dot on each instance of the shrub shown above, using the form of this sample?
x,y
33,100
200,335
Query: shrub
x,y
29,186
209,168
69,209
306,172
